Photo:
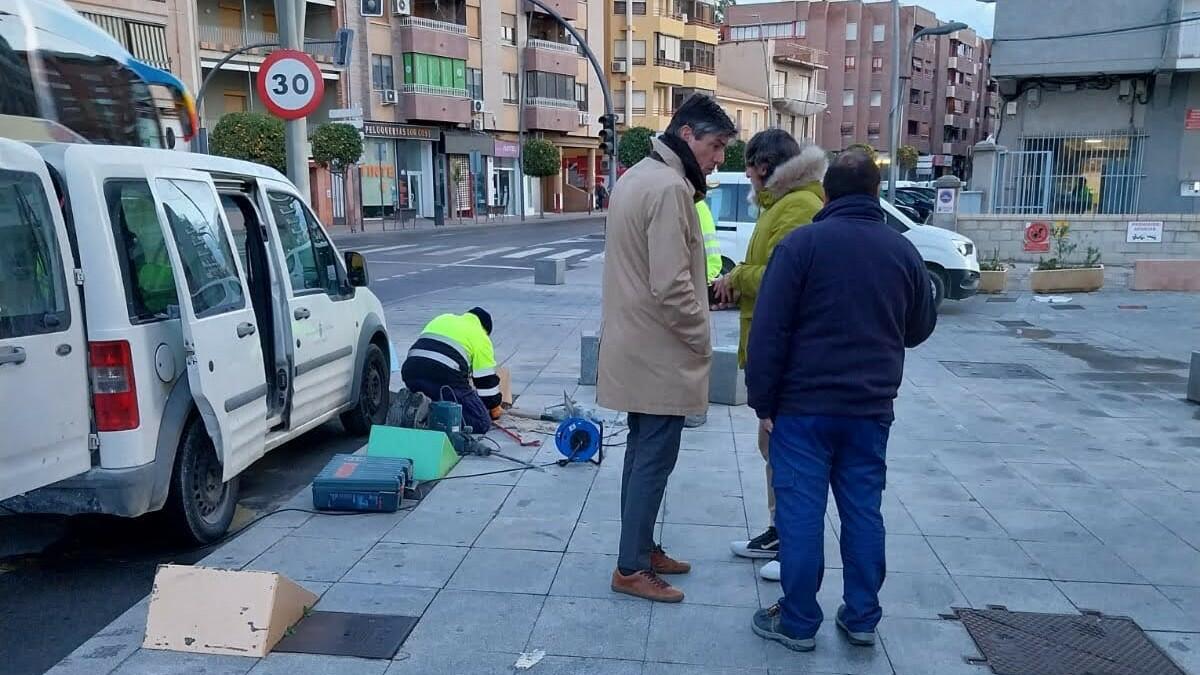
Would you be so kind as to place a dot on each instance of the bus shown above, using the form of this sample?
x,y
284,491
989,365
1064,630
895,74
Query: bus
x,y
66,79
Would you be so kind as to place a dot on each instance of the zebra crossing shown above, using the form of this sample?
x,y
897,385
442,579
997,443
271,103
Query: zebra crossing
x,y
573,252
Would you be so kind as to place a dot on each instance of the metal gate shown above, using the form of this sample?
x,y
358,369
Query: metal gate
x,y
1022,181
339,197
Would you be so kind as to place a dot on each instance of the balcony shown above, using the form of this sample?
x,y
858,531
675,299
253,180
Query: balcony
x,y
428,103
569,9
959,148
430,36
960,120
795,52
799,101
222,40
961,92
548,56
551,114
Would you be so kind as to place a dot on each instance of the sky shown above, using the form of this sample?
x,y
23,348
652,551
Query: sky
x,y
977,15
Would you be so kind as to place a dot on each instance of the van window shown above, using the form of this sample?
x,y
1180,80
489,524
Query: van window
x,y
311,260
141,250
896,224
193,214
728,203
33,291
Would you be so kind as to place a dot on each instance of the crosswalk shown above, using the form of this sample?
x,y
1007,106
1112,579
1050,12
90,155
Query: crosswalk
x,y
571,251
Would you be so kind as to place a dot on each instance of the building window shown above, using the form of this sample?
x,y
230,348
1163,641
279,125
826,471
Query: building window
x,y
873,130
847,128
852,31
801,28
438,75
638,7
917,65
381,72
701,56
581,95
851,62
876,98
549,86
739,119
914,96
508,29
512,88
878,31
639,102
877,64
475,83
668,50
754,121
914,127
848,98
637,58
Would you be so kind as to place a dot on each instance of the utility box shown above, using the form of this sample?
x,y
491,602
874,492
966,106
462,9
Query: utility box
x,y
589,358
727,382
548,272
1193,392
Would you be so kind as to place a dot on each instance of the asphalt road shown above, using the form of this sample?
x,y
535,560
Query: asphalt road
x,y
63,579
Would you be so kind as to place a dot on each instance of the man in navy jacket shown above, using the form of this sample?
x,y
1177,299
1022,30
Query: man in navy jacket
x,y
840,301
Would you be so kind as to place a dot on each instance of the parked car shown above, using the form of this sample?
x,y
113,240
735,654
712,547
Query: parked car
x,y
166,319
949,256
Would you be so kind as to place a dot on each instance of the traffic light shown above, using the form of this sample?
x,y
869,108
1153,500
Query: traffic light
x,y
343,47
608,134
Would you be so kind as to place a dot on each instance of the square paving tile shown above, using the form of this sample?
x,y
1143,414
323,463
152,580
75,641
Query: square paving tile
x,y
1013,494
704,635
1034,525
1018,595
1081,562
474,621
705,509
279,663
440,527
183,663
919,596
450,662
924,646
245,547
832,655
361,528
985,557
533,534
595,536
310,559
1183,648
508,571
911,553
956,521
592,627
407,565
376,599
1053,474
729,584
576,665
702,542
542,502
1144,604
587,575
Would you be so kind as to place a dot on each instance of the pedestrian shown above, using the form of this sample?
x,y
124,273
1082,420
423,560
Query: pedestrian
x,y
655,344
454,360
840,301
787,191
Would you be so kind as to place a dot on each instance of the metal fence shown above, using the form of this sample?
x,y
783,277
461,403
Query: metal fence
x,y
1071,173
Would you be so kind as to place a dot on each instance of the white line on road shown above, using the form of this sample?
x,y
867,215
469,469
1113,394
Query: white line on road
x,y
527,253
381,249
593,257
494,251
429,249
460,249
488,267
563,255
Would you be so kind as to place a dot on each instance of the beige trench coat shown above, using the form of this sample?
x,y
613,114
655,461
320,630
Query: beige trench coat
x,y
655,342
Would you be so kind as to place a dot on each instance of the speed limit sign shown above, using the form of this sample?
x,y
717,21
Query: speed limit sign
x,y
290,84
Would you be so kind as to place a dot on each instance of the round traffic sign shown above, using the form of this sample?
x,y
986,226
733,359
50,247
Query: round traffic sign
x,y
289,84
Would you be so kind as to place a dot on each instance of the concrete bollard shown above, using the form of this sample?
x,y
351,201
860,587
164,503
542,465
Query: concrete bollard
x,y
727,383
1193,392
549,272
589,357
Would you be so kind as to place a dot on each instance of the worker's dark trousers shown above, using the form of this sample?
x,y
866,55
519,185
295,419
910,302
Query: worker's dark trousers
x,y
808,456
475,413
650,453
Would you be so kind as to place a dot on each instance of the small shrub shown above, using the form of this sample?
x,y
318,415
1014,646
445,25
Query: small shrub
x,y
1064,248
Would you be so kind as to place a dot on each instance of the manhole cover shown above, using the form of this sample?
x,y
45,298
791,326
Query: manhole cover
x,y
1016,324
1066,306
368,636
1001,299
1029,643
995,371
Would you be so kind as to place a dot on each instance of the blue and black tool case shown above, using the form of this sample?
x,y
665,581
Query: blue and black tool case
x,y
361,483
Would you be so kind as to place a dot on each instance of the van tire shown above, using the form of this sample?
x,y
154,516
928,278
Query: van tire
x,y
938,281
373,394
199,507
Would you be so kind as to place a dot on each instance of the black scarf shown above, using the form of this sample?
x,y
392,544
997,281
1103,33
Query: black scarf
x,y
691,168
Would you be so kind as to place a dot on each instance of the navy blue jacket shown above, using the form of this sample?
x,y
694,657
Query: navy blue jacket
x,y
840,301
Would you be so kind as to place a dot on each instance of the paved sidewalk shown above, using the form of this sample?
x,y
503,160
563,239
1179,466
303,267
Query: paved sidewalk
x,y
1074,485
376,225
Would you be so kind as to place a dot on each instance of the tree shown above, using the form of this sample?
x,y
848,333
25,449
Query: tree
x,y
255,137
906,158
540,158
865,148
336,145
634,146
723,5
735,156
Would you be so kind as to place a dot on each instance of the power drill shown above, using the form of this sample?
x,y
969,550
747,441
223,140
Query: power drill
x,y
446,417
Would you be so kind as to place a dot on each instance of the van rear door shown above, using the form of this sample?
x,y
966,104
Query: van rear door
x,y
223,353
44,414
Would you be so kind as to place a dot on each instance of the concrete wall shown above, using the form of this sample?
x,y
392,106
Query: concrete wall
x,y
1181,236
1132,52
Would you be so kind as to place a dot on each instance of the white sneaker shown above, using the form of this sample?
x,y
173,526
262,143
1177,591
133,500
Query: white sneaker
x,y
764,546
770,571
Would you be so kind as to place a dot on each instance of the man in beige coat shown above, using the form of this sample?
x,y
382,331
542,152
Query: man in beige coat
x,y
655,347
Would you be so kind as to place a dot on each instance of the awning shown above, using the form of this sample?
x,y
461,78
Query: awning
x,y
466,142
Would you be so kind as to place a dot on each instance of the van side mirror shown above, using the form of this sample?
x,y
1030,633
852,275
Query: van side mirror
x,y
356,269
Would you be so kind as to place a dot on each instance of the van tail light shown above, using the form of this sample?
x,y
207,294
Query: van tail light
x,y
114,393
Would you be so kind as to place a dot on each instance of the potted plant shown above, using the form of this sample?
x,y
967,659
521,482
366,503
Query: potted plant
x,y
993,274
1059,275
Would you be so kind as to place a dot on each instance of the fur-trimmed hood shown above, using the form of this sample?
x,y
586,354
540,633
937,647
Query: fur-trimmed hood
x,y
800,171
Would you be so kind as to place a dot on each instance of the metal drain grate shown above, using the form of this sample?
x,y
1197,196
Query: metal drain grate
x,y
994,371
1020,323
367,636
1066,306
1029,643
1001,299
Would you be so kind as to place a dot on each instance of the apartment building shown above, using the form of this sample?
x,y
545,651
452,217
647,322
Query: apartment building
x,y
662,52
946,102
447,87
749,111
795,90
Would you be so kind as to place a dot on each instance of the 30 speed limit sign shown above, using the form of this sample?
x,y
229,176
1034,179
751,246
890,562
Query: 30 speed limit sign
x,y
290,84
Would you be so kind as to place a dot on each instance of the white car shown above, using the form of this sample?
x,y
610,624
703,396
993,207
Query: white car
x,y
167,318
950,257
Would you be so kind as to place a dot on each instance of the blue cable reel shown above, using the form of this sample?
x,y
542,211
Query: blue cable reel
x,y
579,440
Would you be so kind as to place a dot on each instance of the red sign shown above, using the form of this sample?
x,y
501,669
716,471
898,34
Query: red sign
x,y
1192,121
1037,237
290,84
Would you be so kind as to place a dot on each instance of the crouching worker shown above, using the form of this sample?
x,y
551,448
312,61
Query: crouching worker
x,y
454,360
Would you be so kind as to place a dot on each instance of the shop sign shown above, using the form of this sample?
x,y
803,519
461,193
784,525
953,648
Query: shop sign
x,y
400,131
507,149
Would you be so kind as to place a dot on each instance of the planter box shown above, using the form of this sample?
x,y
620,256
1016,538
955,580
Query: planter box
x,y
1083,280
993,281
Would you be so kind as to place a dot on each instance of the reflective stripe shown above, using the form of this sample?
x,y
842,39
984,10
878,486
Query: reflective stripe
x,y
484,372
490,391
450,342
712,248
434,356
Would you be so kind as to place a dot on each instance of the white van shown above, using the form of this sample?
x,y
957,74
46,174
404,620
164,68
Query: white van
x,y
166,318
950,257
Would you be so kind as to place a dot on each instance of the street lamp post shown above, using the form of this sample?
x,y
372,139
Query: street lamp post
x,y
762,34
897,81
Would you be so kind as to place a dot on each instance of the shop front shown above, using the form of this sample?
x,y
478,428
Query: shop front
x,y
397,169
468,166
502,181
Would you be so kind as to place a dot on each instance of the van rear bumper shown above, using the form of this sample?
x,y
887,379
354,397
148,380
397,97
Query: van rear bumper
x,y
119,492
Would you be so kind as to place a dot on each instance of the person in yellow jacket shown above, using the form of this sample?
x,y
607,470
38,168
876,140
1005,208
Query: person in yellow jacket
x,y
787,190
454,360
712,247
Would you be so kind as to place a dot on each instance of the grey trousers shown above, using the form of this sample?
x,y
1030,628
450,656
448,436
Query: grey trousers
x,y
650,454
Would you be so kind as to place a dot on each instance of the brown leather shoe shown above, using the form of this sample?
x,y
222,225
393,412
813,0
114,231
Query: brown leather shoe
x,y
645,584
662,563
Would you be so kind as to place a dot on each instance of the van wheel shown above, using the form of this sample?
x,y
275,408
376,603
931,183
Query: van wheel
x,y
200,505
938,281
373,394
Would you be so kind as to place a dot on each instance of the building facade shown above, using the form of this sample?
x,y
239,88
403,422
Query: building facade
x,y
662,52
749,111
1097,123
795,90
945,100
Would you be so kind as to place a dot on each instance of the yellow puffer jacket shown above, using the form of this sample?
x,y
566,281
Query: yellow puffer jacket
x,y
791,198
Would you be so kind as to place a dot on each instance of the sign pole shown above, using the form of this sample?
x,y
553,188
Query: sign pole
x,y
290,15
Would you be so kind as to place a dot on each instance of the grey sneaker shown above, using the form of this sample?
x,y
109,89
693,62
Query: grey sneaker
x,y
693,421
860,639
768,624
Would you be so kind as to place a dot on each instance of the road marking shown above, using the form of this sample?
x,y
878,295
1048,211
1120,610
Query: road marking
x,y
460,249
484,254
563,255
594,257
527,253
381,249
424,250
489,267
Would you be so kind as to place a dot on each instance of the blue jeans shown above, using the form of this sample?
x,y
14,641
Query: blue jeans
x,y
809,455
